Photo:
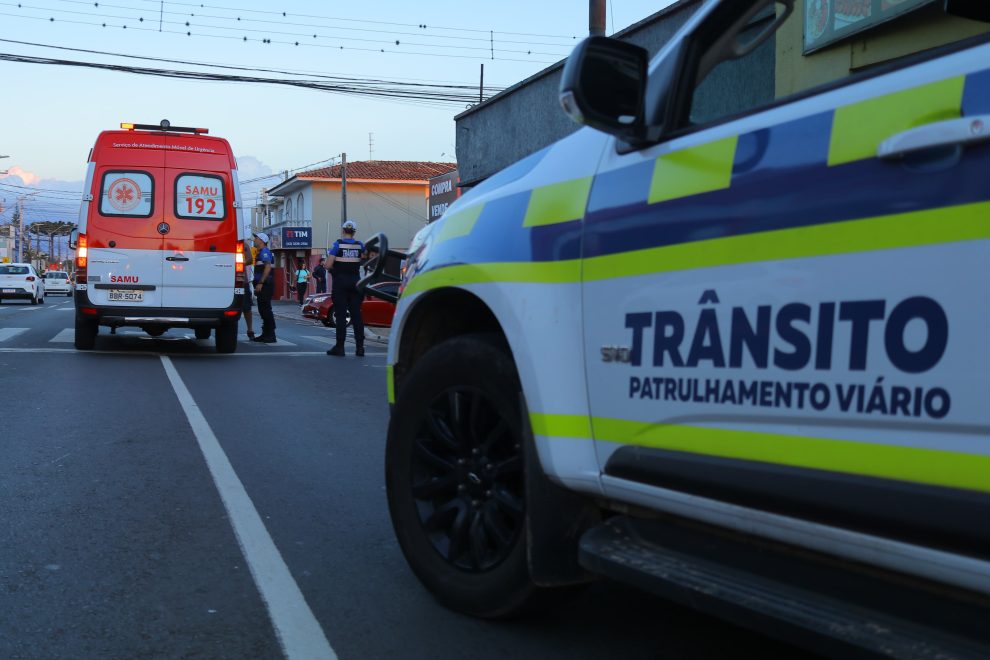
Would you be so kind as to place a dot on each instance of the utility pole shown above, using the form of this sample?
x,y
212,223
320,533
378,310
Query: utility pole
x,y
343,189
596,18
17,226
481,85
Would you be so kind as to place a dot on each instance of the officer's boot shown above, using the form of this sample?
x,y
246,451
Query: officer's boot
x,y
359,351
338,350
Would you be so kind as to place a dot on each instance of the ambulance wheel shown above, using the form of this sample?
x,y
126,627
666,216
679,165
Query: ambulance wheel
x,y
225,337
86,331
454,478
202,333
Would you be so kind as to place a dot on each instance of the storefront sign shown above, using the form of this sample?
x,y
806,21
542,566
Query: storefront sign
x,y
828,21
285,238
443,193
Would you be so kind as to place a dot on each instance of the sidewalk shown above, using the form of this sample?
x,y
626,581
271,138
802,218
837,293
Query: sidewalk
x,y
290,311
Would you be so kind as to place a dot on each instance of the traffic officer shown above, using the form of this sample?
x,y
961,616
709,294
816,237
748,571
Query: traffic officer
x,y
344,261
264,287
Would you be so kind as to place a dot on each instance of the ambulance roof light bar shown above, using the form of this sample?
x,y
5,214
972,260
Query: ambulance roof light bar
x,y
165,125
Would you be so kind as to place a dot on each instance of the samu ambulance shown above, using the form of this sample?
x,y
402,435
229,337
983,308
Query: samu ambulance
x,y
159,241
733,354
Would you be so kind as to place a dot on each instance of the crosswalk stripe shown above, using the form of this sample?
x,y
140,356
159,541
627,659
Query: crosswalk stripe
x,y
322,340
67,335
280,342
10,333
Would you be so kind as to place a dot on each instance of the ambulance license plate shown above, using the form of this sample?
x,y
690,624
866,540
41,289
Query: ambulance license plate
x,y
120,295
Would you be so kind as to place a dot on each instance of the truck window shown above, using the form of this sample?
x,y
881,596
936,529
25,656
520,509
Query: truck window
x,y
127,194
199,196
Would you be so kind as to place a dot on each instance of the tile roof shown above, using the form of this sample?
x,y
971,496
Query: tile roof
x,y
390,170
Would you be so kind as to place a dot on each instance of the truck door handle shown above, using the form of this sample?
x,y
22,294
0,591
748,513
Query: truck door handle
x,y
180,258
960,132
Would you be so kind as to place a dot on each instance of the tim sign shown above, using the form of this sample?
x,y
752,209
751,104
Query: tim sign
x,y
297,237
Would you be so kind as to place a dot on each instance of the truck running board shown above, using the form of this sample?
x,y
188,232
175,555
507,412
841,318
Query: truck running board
x,y
808,600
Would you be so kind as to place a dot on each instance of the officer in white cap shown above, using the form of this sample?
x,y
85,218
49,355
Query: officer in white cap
x,y
344,261
264,287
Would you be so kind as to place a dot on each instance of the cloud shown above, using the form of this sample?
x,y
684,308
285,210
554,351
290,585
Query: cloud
x,y
249,167
26,178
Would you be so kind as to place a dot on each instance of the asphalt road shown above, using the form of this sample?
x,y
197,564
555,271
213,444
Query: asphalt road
x,y
163,501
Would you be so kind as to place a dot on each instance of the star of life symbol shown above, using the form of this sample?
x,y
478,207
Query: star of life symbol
x,y
124,195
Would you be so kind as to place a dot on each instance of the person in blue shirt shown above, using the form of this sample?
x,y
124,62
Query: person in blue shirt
x,y
344,261
264,288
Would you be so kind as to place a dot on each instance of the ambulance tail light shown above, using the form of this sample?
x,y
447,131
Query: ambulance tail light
x,y
231,312
88,311
82,252
239,259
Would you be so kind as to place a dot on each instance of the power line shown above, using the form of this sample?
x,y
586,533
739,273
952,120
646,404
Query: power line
x,y
367,81
308,24
398,91
188,28
360,20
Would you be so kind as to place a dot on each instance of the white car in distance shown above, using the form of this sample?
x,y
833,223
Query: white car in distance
x,y
21,281
57,281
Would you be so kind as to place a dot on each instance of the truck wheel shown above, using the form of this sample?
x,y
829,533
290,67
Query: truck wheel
x,y
454,477
202,333
86,331
225,337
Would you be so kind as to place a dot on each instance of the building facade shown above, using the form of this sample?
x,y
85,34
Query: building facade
x,y
303,213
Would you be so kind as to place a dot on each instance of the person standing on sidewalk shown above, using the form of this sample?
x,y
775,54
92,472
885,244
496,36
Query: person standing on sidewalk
x,y
345,264
302,282
250,252
320,275
264,287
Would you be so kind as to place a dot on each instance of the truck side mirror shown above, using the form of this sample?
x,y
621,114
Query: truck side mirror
x,y
73,239
603,86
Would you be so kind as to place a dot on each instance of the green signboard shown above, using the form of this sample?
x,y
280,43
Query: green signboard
x,y
828,21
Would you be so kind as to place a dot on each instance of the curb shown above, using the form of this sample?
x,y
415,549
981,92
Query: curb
x,y
369,333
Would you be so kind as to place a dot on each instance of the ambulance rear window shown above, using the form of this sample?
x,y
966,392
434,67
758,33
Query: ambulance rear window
x,y
199,196
127,194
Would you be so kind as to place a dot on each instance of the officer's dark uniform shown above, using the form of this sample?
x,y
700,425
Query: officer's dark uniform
x,y
346,272
265,295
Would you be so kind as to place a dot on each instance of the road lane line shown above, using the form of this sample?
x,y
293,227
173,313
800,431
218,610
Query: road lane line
x,y
298,631
67,335
10,333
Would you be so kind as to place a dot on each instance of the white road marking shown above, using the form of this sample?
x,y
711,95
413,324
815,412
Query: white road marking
x,y
67,335
67,309
126,353
298,631
322,340
280,342
10,333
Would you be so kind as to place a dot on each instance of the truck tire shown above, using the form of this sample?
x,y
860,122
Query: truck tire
x,y
86,331
226,337
455,480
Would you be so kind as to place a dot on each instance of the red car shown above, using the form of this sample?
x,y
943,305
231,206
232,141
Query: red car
x,y
376,312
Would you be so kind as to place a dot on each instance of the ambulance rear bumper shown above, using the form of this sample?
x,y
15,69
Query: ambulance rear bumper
x,y
166,317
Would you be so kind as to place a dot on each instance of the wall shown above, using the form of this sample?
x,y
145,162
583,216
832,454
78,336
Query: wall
x,y
920,30
398,210
527,116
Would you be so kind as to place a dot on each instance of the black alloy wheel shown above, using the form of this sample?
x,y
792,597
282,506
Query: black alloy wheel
x,y
467,480
455,477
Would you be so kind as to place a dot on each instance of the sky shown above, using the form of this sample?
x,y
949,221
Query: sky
x,y
50,115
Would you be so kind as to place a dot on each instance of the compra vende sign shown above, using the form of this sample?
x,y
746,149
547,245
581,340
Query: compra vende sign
x,y
443,193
